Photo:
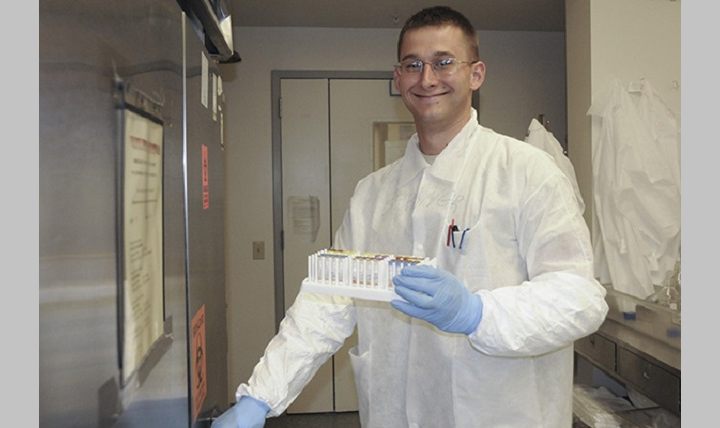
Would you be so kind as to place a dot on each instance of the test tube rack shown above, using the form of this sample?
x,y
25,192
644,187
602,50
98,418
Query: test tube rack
x,y
349,273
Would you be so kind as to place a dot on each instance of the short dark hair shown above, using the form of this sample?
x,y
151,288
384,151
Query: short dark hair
x,y
438,16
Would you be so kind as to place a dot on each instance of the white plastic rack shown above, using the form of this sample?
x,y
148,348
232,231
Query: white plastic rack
x,y
349,273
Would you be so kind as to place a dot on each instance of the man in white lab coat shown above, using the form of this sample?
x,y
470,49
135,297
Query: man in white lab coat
x,y
485,339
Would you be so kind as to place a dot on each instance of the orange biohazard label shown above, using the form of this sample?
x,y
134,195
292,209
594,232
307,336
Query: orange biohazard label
x,y
199,372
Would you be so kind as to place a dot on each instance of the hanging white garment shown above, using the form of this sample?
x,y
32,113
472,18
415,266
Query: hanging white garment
x,y
636,191
541,138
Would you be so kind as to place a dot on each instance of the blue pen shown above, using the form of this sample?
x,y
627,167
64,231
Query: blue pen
x,y
462,238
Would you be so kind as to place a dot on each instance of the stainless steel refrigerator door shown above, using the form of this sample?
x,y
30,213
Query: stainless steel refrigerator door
x,y
205,207
87,49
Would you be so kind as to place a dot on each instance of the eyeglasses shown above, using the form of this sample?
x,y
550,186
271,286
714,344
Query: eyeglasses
x,y
441,67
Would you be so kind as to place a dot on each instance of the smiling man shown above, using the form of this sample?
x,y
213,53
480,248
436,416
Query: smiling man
x,y
438,71
485,339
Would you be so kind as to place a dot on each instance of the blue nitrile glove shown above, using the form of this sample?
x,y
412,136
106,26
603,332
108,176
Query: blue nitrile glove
x,y
247,413
438,297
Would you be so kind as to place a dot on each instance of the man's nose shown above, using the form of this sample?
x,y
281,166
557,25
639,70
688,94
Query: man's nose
x,y
428,76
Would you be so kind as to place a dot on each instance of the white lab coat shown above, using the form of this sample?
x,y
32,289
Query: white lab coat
x,y
527,253
636,176
541,138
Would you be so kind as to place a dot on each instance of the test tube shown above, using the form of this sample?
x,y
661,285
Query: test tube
x,y
364,272
336,271
310,267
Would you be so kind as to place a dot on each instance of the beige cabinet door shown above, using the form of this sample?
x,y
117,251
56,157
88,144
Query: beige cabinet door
x,y
334,132
306,205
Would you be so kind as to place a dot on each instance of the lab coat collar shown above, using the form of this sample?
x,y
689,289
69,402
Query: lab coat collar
x,y
450,162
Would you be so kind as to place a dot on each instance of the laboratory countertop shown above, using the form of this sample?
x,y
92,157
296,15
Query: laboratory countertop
x,y
639,344
648,328
662,350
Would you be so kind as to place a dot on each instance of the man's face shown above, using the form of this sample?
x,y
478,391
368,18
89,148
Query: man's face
x,y
437,100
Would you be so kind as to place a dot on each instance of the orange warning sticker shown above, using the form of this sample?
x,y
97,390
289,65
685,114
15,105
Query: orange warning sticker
x,y
199,374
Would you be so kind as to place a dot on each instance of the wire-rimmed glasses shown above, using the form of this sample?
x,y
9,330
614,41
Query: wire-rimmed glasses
x,y
441,67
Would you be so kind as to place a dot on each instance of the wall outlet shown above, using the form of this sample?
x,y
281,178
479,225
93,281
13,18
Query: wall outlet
x,y
258,249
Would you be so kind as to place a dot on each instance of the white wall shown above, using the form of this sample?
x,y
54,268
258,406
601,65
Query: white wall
x,y
525,78
634,39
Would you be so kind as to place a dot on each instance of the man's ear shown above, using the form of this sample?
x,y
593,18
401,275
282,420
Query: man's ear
x,y
478,75
396,79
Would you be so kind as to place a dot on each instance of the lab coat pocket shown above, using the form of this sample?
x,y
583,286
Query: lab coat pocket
x,y
361,368
458,244
359,365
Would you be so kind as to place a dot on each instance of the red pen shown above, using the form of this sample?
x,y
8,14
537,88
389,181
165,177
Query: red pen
x,y
450,230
